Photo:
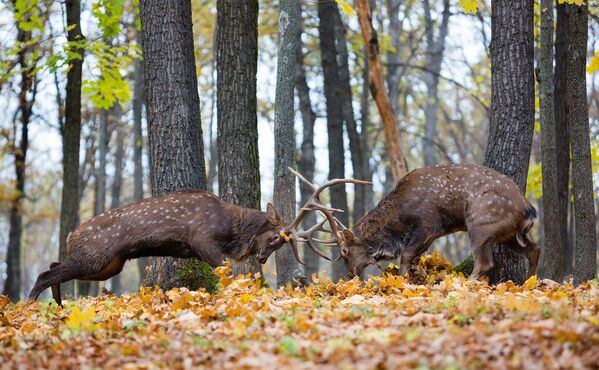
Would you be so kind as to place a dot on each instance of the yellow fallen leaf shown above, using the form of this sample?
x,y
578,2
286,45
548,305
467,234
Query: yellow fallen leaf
x,y
531,283
79,320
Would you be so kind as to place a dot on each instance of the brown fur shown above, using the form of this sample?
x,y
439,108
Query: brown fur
x,y
431,202
186,224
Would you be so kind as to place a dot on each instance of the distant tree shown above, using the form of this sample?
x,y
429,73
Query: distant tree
x,y
138,141
435,48
173,110
562,137
284,184
585,248
512,109
117,178
71,136
355,142
27,91
554,250
327,13
307,158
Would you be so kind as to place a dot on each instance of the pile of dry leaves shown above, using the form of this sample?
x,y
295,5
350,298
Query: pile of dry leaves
x,y
389,322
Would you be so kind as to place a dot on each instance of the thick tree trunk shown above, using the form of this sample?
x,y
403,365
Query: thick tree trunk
x,y
585,247
554,251
512,110
327,11
71,134
355,143
236,65
379,92
117,179
562,138
138,142
365,136
12,284
284,184
307,159
435,47
173,110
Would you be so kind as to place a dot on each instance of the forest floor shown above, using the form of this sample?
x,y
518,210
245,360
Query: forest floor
x,y
434,319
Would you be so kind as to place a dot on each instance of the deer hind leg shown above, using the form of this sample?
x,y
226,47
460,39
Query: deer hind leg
x,y
483,258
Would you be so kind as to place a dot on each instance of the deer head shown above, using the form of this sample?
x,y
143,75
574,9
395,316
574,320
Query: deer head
x,y
288,233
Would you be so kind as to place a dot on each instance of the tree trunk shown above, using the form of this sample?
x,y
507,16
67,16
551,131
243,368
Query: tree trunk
x,y
512,110
355,143
237,125
435,47
365,136
554,251
12,284
585,247
117,180
173,110
307,159
393,55
71,133
327,11
138,142
562,138
284,181
379,92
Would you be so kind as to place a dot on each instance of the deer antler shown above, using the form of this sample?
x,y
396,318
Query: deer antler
x,y
314,204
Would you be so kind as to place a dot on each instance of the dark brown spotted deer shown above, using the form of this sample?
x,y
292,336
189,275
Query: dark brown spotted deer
x,y
431,202
185,224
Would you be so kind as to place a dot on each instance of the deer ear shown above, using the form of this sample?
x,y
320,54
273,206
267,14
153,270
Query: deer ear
x,y
273,216
348,235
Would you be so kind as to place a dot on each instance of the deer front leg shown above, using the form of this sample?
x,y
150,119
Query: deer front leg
x,y
208,251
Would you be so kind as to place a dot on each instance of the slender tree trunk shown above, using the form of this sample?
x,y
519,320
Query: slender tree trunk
x,y
393,55
138,142
117,180
585,247
12,284
355,144
512,109
379,92
236,65
327,11
554,251
173,110
213,164
562,137
284,184
435,47
71,133
307,159
365,136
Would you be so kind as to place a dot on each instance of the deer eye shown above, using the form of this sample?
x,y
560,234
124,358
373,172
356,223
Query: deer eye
x,y
274,238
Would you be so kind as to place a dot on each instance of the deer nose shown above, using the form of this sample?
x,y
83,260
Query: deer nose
x,y
262,259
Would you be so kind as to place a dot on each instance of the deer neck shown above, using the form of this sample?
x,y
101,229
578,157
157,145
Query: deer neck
x,y
246,224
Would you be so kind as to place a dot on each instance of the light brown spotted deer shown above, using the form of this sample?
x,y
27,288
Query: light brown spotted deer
x,y
431,202
185,224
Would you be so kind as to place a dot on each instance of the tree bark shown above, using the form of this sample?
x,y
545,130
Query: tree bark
x,y
562,137
237,125
554,250
284,181
307,159
117,179
355,143
12,284
512,110
173,110
379,92
327,11
585,247
435,47
71,134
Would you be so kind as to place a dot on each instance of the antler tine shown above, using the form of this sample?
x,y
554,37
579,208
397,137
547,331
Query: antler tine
x,y
302,178
295,252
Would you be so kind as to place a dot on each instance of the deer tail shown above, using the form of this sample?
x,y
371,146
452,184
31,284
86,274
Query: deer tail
x,y
529,215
